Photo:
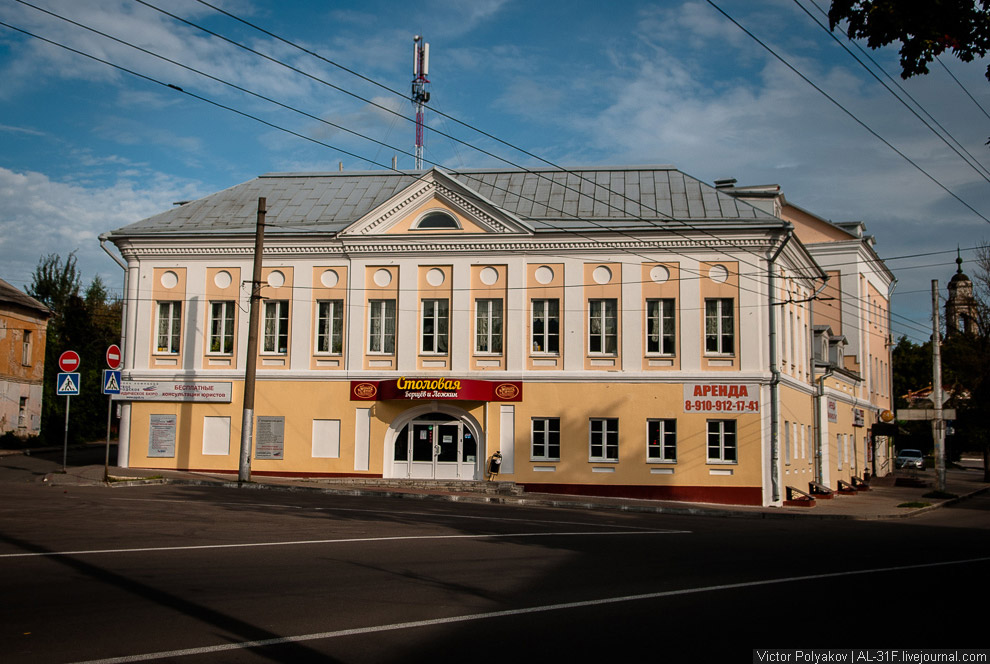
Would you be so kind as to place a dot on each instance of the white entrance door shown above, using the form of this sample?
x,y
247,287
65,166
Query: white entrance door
x,y
431,449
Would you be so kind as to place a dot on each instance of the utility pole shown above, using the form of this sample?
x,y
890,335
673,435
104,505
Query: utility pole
x,y
938,425
251,368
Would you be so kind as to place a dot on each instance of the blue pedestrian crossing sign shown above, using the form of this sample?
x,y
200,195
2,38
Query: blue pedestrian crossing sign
x,y
111,381
67,385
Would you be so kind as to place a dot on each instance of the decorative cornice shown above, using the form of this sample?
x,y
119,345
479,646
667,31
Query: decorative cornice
x,y
382,245
473,209
395,209
434,187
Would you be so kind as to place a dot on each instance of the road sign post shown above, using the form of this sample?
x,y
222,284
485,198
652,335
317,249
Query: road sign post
x,y
111,386
68,361
68,385
114,356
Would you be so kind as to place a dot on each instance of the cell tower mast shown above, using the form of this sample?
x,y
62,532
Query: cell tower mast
x,y
420,95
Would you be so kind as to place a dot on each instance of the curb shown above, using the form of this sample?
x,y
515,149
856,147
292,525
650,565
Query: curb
x,y
524,500
540,501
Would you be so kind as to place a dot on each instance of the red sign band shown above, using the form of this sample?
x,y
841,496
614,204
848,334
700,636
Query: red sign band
x,y
446,389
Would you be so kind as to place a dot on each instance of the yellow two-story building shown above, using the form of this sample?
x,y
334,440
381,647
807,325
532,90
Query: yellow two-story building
x,y
621,331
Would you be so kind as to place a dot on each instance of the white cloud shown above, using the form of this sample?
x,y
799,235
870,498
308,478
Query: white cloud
x,y
42,216
148,29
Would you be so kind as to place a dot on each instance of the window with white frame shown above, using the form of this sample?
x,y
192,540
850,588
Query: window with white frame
x,y
26,349
222,327
661,440
546,439
330,326
275,338
661,326
381,326
169,327
603,329
603,439
488,326
722,441
719,326
546,326
435,321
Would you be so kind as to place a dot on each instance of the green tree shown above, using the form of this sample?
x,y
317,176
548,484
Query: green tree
x,y
924,28
87,324
912,368
911,365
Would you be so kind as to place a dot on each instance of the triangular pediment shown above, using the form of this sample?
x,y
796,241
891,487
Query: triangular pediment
x,y
459,209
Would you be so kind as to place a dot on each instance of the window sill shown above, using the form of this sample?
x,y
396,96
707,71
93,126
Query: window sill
x,y
592,460
663,461
716,462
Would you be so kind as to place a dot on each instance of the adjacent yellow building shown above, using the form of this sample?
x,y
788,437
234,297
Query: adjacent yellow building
x,y
23,329
607,331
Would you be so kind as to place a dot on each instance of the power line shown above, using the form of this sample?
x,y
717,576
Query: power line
x,y
963,87
179,89
462,174
388,110
831,34
847,111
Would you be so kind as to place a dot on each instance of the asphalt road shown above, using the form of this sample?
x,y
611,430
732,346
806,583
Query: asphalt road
x,y
203,574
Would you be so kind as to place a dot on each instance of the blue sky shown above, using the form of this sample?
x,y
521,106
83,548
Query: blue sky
x,y
85,148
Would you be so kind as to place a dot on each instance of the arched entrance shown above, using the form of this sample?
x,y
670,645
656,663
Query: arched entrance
x,y
434,442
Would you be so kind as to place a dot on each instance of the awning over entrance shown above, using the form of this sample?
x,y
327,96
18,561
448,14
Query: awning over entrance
x,y
415,389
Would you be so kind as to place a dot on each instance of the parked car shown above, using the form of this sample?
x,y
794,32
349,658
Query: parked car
x,y
910,459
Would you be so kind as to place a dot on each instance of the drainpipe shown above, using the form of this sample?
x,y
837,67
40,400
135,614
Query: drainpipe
x,y
888,453
819,394
123,266
774,372
123,437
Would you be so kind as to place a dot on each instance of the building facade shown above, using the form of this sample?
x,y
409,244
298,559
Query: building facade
x,y
610,331
851,341
23,329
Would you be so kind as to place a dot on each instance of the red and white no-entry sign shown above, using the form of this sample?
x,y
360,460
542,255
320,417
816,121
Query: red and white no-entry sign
x,y
68,361
114,357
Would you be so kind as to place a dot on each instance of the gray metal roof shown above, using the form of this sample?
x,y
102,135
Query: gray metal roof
x,y
548,200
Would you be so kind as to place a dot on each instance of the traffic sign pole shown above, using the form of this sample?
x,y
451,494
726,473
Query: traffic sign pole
x,y
106,460
69,363
114,358
65,442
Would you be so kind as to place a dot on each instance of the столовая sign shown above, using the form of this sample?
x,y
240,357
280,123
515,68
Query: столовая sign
x,y
436,388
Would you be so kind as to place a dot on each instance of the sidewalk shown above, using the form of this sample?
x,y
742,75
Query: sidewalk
x,y
880,502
